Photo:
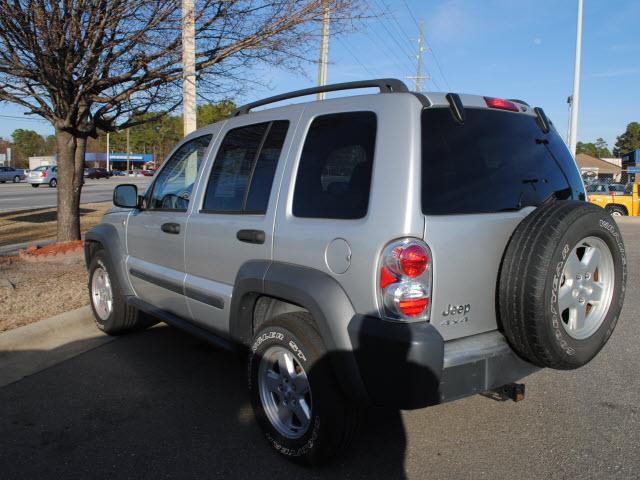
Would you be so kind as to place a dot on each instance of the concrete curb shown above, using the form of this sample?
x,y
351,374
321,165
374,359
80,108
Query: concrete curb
x,y
32,348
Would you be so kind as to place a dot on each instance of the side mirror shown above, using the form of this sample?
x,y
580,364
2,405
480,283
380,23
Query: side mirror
x,y
125,196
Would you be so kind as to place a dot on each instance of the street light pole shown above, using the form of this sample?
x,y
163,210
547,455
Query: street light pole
x,y
128,152
324,49
573,130
188,67
107,151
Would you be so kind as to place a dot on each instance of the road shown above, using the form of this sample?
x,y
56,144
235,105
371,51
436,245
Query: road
x,y
21,196
160,404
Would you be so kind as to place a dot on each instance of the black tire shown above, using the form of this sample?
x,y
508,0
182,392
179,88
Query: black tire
x,y
53,183
616,210
123,318
35,185
16,179
532,274
334,420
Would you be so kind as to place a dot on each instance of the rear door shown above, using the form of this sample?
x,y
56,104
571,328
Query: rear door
x,y
234,217
479,180
155,234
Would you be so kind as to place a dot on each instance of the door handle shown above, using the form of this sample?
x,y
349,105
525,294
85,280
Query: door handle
x,y
251,236
172,228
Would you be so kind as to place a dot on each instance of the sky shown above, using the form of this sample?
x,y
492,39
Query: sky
x,y
504,48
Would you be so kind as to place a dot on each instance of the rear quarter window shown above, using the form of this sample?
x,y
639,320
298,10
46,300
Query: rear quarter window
x,y
334,176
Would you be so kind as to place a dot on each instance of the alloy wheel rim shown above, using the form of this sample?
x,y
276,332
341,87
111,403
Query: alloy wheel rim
x,y
101,293
586,287
285,392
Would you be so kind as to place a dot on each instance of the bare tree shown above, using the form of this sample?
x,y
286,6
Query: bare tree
x,y
90,65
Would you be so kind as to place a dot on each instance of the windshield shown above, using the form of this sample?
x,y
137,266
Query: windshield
x,y
497,161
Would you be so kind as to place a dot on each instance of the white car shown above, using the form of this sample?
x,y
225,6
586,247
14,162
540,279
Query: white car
x,y
45,175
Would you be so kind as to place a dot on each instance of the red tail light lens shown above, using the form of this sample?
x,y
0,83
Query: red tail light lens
x,y
501,104
413,307
386,278
414,260
43,174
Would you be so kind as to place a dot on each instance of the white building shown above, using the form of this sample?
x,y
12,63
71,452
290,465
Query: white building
x,y
35,162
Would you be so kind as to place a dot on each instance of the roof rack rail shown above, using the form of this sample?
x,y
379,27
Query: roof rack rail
x,y
386,85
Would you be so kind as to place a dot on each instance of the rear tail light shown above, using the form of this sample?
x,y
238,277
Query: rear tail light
x,y
43,174
501,104
405,280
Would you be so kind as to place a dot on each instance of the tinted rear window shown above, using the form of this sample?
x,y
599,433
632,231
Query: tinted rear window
x,y
497,161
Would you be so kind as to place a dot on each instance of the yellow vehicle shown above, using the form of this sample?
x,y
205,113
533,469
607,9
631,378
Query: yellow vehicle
x,y
626,203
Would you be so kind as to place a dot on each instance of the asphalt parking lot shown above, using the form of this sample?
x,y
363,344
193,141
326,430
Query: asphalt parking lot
x,y
21,196
160,404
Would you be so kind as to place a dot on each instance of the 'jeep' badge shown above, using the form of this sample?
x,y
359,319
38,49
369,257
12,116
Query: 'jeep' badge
x,y
456,313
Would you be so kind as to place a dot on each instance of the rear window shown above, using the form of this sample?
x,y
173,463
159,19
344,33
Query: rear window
x,y
495,162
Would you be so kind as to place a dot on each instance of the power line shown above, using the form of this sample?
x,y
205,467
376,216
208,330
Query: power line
x,y
395,20
42,120
429,47
355,57
384,48
381,20
415,20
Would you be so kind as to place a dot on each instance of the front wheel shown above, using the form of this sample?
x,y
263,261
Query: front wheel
x,y
111,313
16,179
295,396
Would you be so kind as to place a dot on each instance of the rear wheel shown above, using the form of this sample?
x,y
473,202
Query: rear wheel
x,y
111,313
295,396
16,179
616,210
562,284
53,183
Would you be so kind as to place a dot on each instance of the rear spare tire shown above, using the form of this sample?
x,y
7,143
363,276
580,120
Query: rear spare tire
x,y
562,284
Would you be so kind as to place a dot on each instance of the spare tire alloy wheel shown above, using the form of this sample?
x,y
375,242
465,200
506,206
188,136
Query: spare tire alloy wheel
x,y
586,287
562,284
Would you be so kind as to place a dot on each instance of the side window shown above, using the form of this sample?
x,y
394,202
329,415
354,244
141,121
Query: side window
x,y
334,176
173,185
244,167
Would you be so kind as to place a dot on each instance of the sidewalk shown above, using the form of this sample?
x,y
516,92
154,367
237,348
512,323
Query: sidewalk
x,y
35,347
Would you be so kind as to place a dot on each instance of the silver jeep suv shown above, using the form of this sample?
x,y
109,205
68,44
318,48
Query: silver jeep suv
x,y
394,249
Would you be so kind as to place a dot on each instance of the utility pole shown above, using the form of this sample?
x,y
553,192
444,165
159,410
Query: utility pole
x,y
128,151
419,77
188,67
573,130
107,151
324,48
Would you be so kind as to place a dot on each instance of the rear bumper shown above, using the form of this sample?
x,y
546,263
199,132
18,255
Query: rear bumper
x,y
38,180
410,366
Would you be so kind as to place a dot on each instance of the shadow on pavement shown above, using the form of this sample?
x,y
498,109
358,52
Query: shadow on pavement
x,y
165,405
